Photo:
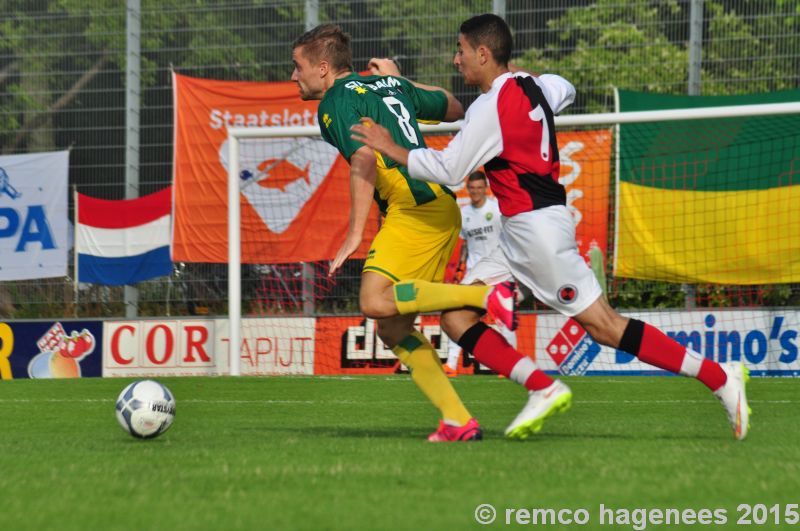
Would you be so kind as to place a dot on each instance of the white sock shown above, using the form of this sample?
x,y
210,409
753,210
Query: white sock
x,y
522,370
690,366
453,352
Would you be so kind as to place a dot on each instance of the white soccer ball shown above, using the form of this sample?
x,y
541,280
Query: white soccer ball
x,y
145,409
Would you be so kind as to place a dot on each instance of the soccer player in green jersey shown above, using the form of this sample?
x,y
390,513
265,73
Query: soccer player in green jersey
x,y
422,220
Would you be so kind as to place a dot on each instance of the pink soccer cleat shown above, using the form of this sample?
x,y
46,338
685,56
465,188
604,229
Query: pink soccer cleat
x,y
470,431
501,303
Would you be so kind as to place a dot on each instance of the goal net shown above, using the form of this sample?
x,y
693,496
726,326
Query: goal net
x,y
689,218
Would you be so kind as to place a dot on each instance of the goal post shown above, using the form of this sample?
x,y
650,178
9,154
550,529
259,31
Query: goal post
x,y
235,136
608,122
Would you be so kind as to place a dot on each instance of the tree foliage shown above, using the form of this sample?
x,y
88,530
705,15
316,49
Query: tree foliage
x,y
643,45
434,31
49,47
748,52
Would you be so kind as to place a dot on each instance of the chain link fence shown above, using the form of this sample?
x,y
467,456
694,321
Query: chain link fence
x,y
62,85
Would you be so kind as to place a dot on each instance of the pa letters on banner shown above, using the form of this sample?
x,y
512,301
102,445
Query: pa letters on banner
x,y
33,215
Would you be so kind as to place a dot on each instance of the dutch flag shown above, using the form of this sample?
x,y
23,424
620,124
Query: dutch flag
x,y
125,241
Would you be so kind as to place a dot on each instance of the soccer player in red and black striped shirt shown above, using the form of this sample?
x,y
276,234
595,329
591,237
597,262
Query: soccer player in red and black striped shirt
x,y
510,130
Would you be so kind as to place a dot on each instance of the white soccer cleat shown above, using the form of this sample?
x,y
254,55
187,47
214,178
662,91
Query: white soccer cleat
x,y
734,397
557,398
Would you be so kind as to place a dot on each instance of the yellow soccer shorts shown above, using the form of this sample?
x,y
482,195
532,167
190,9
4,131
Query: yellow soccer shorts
x,y
416,242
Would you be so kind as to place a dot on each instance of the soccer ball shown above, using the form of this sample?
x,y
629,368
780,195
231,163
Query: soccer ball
x,y
145,409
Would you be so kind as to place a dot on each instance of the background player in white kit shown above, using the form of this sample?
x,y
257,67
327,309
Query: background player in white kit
x,y
480,230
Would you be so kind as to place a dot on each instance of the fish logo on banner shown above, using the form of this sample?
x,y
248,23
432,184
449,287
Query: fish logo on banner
x,y
278,176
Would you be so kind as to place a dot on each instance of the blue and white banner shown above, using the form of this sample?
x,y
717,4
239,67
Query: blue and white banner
x,y
766,341
33,215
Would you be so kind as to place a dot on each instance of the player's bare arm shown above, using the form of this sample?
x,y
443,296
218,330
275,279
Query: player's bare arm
x,y
388,67
378,138
363,174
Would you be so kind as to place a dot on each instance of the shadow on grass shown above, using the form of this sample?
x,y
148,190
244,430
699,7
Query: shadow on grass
x,y
149,441
417,433
400,432
589,435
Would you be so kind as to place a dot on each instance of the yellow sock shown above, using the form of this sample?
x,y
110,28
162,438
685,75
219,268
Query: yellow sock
x,y
414,296
416,353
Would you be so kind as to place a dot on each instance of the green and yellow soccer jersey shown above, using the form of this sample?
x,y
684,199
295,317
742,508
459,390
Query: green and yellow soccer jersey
x,y
396,104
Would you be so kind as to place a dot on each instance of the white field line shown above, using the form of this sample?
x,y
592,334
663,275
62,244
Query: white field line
x,y
363,402
488,379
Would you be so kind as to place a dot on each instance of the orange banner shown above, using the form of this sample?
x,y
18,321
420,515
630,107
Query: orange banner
x,y
350,345
295,192
585,172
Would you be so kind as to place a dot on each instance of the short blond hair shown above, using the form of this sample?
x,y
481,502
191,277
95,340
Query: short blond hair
x,y
327,42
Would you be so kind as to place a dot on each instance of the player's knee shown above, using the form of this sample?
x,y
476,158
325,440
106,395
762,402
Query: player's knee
x,y
455,323
606,329
373,308
369,309
376,298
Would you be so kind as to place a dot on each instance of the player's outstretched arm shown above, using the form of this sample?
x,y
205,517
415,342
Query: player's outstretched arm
x,y
363,174
388,67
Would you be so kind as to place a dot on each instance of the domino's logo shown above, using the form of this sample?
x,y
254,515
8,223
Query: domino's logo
x,y
572,349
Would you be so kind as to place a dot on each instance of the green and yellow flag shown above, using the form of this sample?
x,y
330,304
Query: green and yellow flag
x,y
709,201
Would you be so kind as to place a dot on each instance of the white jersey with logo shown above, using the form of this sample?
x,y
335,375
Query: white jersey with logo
x,y
480,229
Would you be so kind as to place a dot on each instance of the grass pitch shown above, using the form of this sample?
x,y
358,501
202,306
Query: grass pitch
x,y
350,453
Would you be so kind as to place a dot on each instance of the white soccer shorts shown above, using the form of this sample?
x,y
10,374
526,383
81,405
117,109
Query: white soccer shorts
x,y
538,249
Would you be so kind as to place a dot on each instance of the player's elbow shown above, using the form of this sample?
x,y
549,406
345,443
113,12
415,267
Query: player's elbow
x,y
435,166
455,110
451,175
569,99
